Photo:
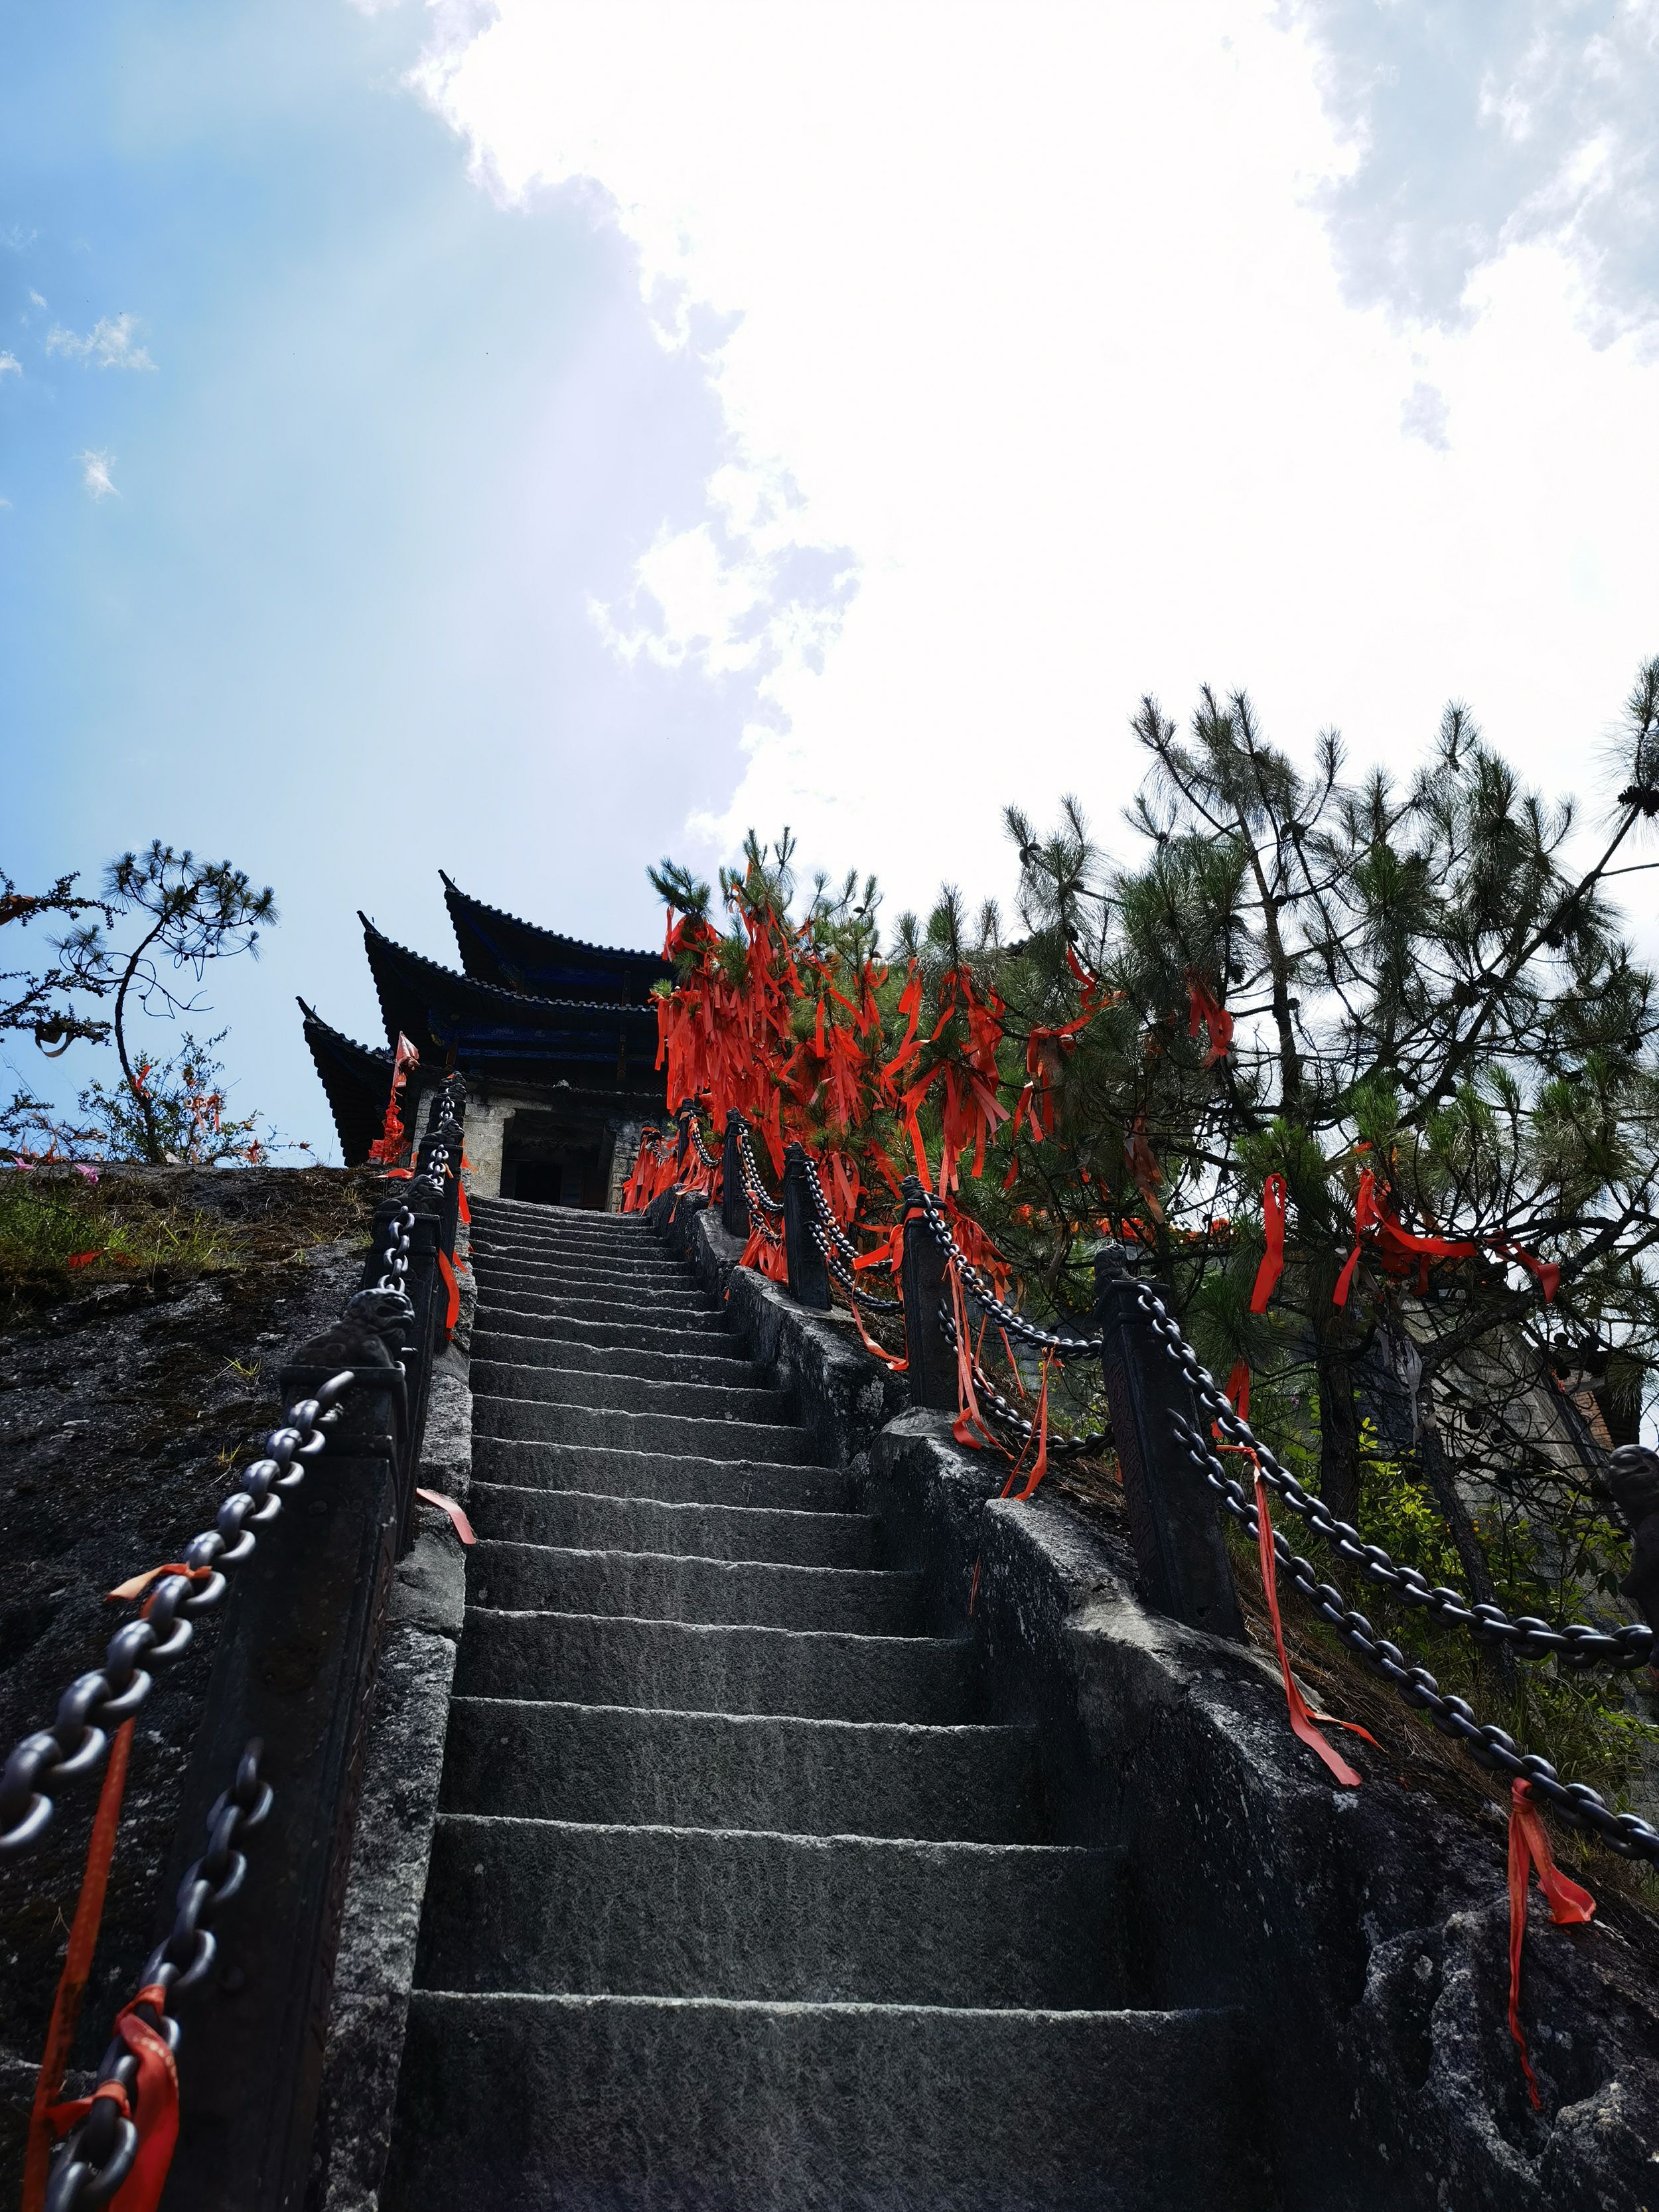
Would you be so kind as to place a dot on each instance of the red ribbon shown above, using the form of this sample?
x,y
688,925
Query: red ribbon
x,y
77,1963
1202,1007
1273,1259
462,1526
1570,1906
452,1311
1039,1436
1303,1715
155,2115
1238,1390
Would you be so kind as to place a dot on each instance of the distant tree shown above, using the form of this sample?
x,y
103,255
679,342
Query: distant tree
x,y
188,912
41,1000
1408,1006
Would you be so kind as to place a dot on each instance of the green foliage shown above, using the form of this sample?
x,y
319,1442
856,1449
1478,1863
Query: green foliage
x,y
54,1225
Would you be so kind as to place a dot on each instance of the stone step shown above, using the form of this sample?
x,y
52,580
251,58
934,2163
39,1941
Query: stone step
x,y
548,1905
661,1586
620,1269
685,1477
655,1524
629,1394
636,1318
676,1666
790,1775
694,1334
573,1349
627,2104
529,1418
508,1278
565,1220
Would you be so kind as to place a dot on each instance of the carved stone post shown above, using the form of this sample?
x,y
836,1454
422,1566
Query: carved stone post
x,y
809,1277
930,1363
1174,1519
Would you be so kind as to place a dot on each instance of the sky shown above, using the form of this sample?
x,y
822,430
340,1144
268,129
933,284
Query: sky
x,y
532,439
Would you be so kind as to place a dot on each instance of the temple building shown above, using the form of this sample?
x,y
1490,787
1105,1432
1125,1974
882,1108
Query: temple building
x,y
557,1041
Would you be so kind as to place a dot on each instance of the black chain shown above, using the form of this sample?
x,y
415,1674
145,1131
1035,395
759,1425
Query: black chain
x,y
1529,1637
1005,1409
1489,1745
838,1249
1005,1315
76,1743
760,1201
98,2153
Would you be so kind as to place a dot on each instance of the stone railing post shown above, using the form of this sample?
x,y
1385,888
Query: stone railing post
x,y
930,1363
809,1279
734,1207
1174,1521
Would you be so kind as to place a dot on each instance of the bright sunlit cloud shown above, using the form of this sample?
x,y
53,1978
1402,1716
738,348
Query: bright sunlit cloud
x,y
1046,384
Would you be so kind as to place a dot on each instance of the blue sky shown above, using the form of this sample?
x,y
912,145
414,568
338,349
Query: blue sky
x,y
531,438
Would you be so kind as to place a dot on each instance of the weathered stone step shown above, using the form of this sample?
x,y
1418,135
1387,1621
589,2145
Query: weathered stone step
x,y
562,1260
529,1462
573,1349
660,1432
554,1319
793,1776
564,1220
629,1394
550,1905
636,1317
509,1277
654,1524
661,1586
624,2104
676,1666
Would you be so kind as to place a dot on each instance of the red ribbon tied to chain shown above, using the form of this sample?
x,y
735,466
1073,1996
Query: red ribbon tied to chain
x,y
1273,1258
1570,1906
1302,1714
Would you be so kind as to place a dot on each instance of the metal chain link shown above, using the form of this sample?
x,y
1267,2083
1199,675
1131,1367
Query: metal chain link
x,y
98,2153
1529,1637
1489,1745
838,1249
1005,1411
759,1199
1005,1315
74,1744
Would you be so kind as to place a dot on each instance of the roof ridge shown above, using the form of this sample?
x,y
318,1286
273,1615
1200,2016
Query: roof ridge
x,y
453,891
496,990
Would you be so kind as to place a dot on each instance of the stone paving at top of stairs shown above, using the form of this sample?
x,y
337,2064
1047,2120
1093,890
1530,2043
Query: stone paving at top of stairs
x,y
740,1898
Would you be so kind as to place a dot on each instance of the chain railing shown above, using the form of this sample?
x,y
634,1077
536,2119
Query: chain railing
x,y
99,2151
837,1248
385,1328
1527,1636
1003,1315
74,1744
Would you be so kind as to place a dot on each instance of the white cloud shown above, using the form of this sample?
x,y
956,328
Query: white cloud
x,y
35,300
95,474
9,365
1423,413
1042,391
107,344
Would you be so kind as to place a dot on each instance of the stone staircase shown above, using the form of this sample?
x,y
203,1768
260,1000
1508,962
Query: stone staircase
x,y
739,1897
